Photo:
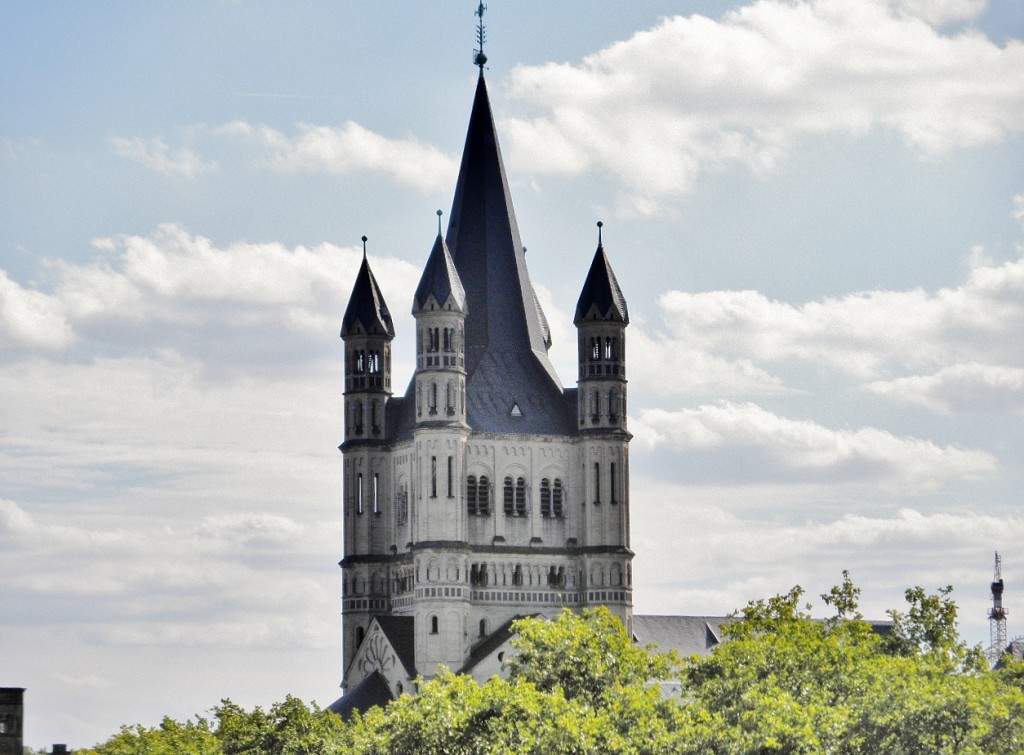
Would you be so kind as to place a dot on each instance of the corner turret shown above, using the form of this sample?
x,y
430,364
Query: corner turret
x,y
439,307
601,320
367,331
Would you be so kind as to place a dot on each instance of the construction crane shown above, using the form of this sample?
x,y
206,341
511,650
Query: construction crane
x,y
997,616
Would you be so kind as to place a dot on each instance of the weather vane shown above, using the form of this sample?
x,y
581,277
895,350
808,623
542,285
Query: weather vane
x,y
481,34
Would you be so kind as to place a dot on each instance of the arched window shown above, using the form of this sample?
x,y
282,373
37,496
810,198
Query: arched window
x,y
359,493
432,404
595,349
433,625
472,502
433,477
597,482
360,362
451,471
376,493
520,497
449,398
483,627
610,348
508,490
557,500
483,493
517,576
613,484
545,497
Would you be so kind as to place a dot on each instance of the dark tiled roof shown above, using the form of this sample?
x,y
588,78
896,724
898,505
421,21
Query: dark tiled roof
x,y
366,306
492,642
601,293
687,635
371,691
399,631
506,336
440,280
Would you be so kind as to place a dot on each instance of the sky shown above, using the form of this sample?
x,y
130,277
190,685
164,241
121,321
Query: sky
x,y
815,209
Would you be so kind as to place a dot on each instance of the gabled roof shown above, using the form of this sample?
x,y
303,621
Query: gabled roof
x,y
370,692
367,312
399,631
492,642
601,295
440,280
687,635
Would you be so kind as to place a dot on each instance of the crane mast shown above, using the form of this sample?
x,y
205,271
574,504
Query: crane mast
x,y
997,615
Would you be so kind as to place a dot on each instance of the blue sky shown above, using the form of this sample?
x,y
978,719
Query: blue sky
x,y
815,210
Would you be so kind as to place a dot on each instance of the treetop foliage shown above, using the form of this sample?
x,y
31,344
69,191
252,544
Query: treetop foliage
x,y
782,682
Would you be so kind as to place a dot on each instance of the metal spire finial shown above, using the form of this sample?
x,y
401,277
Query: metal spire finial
x,y
364,247
439,214
600,225
481,35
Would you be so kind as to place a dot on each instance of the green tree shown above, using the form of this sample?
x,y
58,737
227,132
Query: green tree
x,y
783,682
170,737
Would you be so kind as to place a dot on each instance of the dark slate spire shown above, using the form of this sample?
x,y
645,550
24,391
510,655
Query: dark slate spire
x,y
366,306
506,339
601,293
440,280
484,238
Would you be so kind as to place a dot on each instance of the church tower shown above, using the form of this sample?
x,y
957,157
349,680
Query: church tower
x,y
490,491
367,332
601,319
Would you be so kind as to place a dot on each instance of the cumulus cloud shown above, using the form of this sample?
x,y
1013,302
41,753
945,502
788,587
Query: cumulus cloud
x,y
30,319
350,148
736,553
894,342
694,95
755,443
155,154
179,291
960,388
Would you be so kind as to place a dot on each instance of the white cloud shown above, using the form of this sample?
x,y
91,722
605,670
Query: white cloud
x,y
695,95
156,155
877,336
940,12
351,148
960,388
174,290
30,319
763,445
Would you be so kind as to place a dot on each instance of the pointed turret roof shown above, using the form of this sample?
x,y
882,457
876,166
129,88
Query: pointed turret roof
x,y
601,292
440,280
506,339
366,306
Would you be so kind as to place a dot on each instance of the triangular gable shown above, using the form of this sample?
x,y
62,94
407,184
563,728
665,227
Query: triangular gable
x,y
384,650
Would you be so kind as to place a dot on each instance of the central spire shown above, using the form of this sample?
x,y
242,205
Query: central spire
x,y
506,333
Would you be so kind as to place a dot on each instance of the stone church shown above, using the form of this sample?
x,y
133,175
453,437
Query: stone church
x,y
486,491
